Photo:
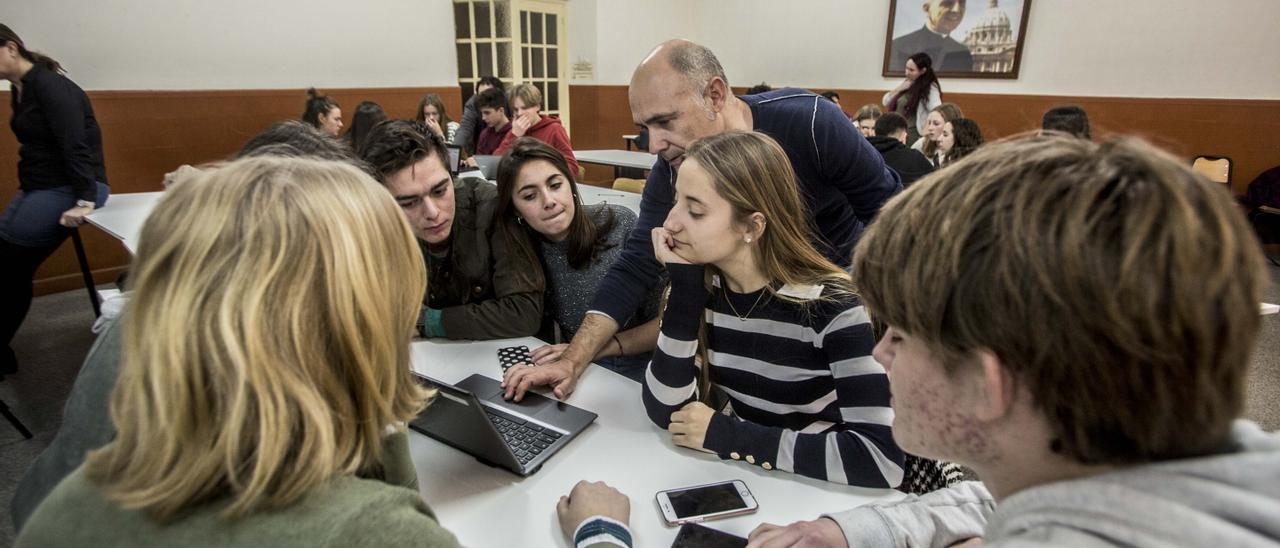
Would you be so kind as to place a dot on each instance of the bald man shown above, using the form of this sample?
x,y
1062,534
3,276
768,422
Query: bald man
x,y
680,94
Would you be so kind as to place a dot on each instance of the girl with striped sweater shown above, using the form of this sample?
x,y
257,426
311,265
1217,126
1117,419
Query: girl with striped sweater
x,y
779,328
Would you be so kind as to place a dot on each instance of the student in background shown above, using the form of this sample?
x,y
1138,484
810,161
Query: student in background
x,y
960,137
431,112
917,95
368,114
779,328
471,125
480,288
866,118
61,176
680,92
492,104
1069,119
322,112
758,89
928,143
1074,282
541,213
526,103
835,98
890,140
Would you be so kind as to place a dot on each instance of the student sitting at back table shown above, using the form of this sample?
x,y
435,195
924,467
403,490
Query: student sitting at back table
x,y
323,113
960,137
431,112
471,124
779,328
928,142
891,140
1081,339
542,215
526,102
367,115
480,287
1069,119
492,104
866,118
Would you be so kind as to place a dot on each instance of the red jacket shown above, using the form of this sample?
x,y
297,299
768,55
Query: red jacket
x,y
550,131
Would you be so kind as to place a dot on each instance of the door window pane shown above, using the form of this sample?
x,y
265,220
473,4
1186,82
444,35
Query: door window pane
x,y
524,27
502,16
535,28
504,60
483,25
552,98
525,66
551,29
553,63
464,61
484,59
539,71
462,20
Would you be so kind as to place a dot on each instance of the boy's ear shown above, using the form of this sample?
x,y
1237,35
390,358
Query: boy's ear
x,y
995,387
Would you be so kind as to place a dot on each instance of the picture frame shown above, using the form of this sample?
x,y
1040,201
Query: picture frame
x,y
962,41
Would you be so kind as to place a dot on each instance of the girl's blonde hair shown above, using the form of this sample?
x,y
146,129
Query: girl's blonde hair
x,y
266,349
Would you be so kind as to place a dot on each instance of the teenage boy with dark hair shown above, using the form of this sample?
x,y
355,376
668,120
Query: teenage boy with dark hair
x,y
477,288
890,140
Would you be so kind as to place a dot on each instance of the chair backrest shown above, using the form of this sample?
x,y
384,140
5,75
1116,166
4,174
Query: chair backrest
x,y
629,185
1216,168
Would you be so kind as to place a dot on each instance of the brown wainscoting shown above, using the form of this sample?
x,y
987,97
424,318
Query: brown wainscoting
x,y
1239,129
149,133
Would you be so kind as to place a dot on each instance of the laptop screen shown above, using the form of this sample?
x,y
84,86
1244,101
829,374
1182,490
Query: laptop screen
x,y
455,158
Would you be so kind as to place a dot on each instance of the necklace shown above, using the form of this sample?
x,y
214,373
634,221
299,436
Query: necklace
x,y
743,317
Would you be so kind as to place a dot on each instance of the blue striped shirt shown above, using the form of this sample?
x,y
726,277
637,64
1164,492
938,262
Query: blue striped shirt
x,y
805,395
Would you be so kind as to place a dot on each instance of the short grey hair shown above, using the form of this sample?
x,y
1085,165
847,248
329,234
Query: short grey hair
x,y
697,64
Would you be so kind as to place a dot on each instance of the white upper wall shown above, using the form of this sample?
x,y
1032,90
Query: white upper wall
x,y
242,44
1134,48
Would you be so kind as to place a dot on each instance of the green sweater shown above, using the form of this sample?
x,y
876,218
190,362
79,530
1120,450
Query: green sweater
x,y
348,511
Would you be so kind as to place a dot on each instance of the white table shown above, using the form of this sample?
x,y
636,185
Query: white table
x,y
601,195
487,506
617,158
123,215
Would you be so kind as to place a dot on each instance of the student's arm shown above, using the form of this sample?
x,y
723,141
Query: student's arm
x,y
941,518
60,100
515,310
629,280
672,378
850,164
860,451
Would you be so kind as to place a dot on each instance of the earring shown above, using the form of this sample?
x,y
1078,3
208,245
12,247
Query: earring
x,y
748,239
520,220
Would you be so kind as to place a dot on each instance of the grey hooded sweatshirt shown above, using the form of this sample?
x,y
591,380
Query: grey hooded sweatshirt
x,y
1219,501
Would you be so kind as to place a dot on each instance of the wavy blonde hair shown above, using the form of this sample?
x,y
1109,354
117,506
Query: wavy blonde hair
x,y
266,349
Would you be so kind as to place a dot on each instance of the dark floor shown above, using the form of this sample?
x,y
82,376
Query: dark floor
x,y
56,337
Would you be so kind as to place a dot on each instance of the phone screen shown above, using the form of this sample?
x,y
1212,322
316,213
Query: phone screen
x,y
710,499
693,535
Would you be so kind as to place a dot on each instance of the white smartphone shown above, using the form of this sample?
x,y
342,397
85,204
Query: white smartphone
x,y
705,502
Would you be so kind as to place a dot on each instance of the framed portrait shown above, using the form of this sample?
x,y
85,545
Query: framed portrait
x,y
964,38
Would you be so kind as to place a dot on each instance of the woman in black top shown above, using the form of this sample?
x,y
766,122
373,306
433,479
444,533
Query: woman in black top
x,y
61,176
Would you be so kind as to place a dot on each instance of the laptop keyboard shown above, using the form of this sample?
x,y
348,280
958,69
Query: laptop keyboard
x,y
527,440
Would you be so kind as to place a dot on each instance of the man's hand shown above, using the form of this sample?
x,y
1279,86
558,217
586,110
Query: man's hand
x,y
547,353
689,425
819,533
558,373
589,498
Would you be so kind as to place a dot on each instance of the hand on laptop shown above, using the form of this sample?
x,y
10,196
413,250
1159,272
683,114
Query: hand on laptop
x,y
557,373
590,499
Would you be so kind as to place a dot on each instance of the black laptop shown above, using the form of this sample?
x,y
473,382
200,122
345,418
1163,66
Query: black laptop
x,y
455,159
471,416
